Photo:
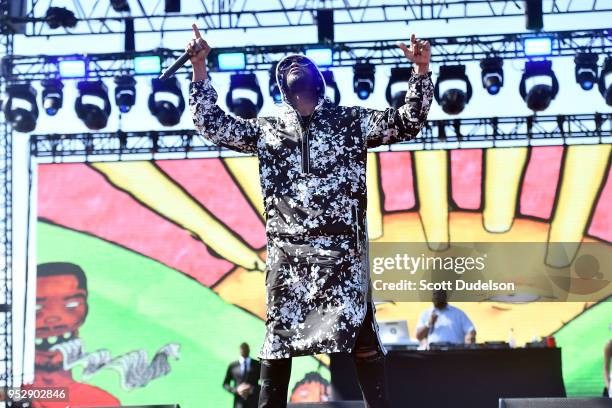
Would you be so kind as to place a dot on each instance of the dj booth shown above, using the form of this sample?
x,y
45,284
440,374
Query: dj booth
x,y
458,377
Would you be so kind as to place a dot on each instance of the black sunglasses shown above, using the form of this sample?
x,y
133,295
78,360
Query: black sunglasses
x,y
296,59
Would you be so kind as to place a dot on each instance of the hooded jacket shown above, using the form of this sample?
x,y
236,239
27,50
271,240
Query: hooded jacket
x,y
313,180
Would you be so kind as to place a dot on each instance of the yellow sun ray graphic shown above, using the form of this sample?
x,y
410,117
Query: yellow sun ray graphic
x,y
582,177
246,289
504,169
245,171
375,219
146,183
431,168
583,174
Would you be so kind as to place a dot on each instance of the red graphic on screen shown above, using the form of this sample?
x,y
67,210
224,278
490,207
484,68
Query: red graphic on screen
x,y
540,182
397,181
466,178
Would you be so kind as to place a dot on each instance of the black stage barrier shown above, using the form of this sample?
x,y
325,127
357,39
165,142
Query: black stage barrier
x,y
555,403
472,378
141,406
331,404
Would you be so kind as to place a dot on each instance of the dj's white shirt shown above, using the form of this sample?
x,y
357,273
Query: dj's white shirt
x,y
451,326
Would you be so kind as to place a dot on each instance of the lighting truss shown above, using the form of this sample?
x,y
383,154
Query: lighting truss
x,y
6,252
442,134
6,225
444,49
97,17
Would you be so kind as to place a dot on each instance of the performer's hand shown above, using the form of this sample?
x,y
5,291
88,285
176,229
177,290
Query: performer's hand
x,y
419,53
198,49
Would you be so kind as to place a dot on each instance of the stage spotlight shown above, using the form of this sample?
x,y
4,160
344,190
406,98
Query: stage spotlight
x,y
52,95
492,74
243,106
125,92
60,17
323,57
363,79
166,112
398,75
453,100
586,69
537,46
606,76
331,87
148,64
22,119
120,5
274,90
72,68
95,117
539,96
231,61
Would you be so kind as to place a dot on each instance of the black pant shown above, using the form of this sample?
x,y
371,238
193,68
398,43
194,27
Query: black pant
x,y
369,364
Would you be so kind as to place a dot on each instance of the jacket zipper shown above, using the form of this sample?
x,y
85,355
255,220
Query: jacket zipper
x,y
357,229
305,147
306,143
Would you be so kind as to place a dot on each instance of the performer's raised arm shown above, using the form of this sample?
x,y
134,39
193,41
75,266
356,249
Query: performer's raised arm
x,y
395,125
210,120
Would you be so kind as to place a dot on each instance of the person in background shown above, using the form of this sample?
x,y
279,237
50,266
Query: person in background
x,y
607,372
244,374
444,323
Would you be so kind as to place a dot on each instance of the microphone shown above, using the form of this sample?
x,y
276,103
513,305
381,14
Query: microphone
x,y
431,328
171,70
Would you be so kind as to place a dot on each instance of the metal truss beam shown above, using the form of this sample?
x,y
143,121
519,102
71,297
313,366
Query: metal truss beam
x,y
444,50
97,17
445,134
6,226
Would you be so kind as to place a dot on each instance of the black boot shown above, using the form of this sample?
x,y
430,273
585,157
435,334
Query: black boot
x,y
372,379
369,359
275,376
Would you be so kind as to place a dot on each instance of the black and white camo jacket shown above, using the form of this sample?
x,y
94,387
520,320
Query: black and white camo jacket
x,y
313,179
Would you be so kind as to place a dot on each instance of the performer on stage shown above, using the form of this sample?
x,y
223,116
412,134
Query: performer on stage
x,y
312,162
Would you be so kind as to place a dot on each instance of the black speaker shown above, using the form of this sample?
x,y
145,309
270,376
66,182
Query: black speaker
x,y
534,15
555,403
129,38
325,25
141,406
331,404
173,6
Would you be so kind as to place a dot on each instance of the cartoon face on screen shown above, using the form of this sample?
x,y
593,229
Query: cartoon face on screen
x,y
312,388
61,308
